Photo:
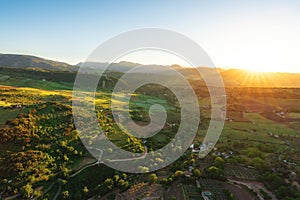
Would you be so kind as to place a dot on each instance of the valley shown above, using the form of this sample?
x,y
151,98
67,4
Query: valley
x,y
43,157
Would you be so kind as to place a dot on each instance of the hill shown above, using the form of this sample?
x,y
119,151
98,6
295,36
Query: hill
x,y
33,62
232,77
122,66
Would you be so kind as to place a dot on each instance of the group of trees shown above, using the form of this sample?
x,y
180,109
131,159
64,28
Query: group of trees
x,y
282,189
276,177
45,146
216,170
119,181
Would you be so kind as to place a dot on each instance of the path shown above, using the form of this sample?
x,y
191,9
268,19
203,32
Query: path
x,y
12,197
93,164
256,187
90,165
59,189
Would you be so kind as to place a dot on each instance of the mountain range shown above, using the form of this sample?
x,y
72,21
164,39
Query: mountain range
x,y
231,77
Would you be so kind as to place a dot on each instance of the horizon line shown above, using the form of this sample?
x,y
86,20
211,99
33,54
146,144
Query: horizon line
x,y
138,63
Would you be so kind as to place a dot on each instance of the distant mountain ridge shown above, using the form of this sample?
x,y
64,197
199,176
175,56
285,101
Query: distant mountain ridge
x,y
231,77
124,66
33,62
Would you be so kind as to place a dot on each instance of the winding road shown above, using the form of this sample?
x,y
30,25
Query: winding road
x,y
93,164
255,186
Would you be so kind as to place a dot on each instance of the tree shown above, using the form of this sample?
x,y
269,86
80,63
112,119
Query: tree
x,y
273,180
124,175
214,172
229,195
178,173
259,163
253,152
65,194
153,178
109,183
218,162
123,184
109,150
159,160
143,169
192,161
85,189
282,192
116,177
27,190
164,181
197,173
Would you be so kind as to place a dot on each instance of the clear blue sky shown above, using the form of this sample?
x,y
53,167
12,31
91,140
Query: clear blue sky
x,y
236,34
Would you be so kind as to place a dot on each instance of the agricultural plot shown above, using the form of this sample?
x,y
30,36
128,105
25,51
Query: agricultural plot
x,y
214,186
46,85
291,104
142,191
247,131
192,192
119,101
240,173
269,126
138,108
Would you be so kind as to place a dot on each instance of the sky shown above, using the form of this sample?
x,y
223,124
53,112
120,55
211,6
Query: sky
x,y
254,35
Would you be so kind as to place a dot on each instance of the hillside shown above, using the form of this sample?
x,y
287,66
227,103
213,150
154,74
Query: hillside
x,y
33,62
122,66
231,77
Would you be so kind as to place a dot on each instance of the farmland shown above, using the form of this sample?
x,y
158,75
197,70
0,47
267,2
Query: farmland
x,y
36,122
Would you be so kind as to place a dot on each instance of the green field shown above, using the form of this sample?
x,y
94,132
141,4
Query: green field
x,y
270,126
39,118
6,114
39,84
246,131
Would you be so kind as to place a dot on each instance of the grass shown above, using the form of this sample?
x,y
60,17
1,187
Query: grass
x,y
246,131
294,115
269,125
79,163
52,192
295,126
47,85
91,177
6,114
146,102
104,99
